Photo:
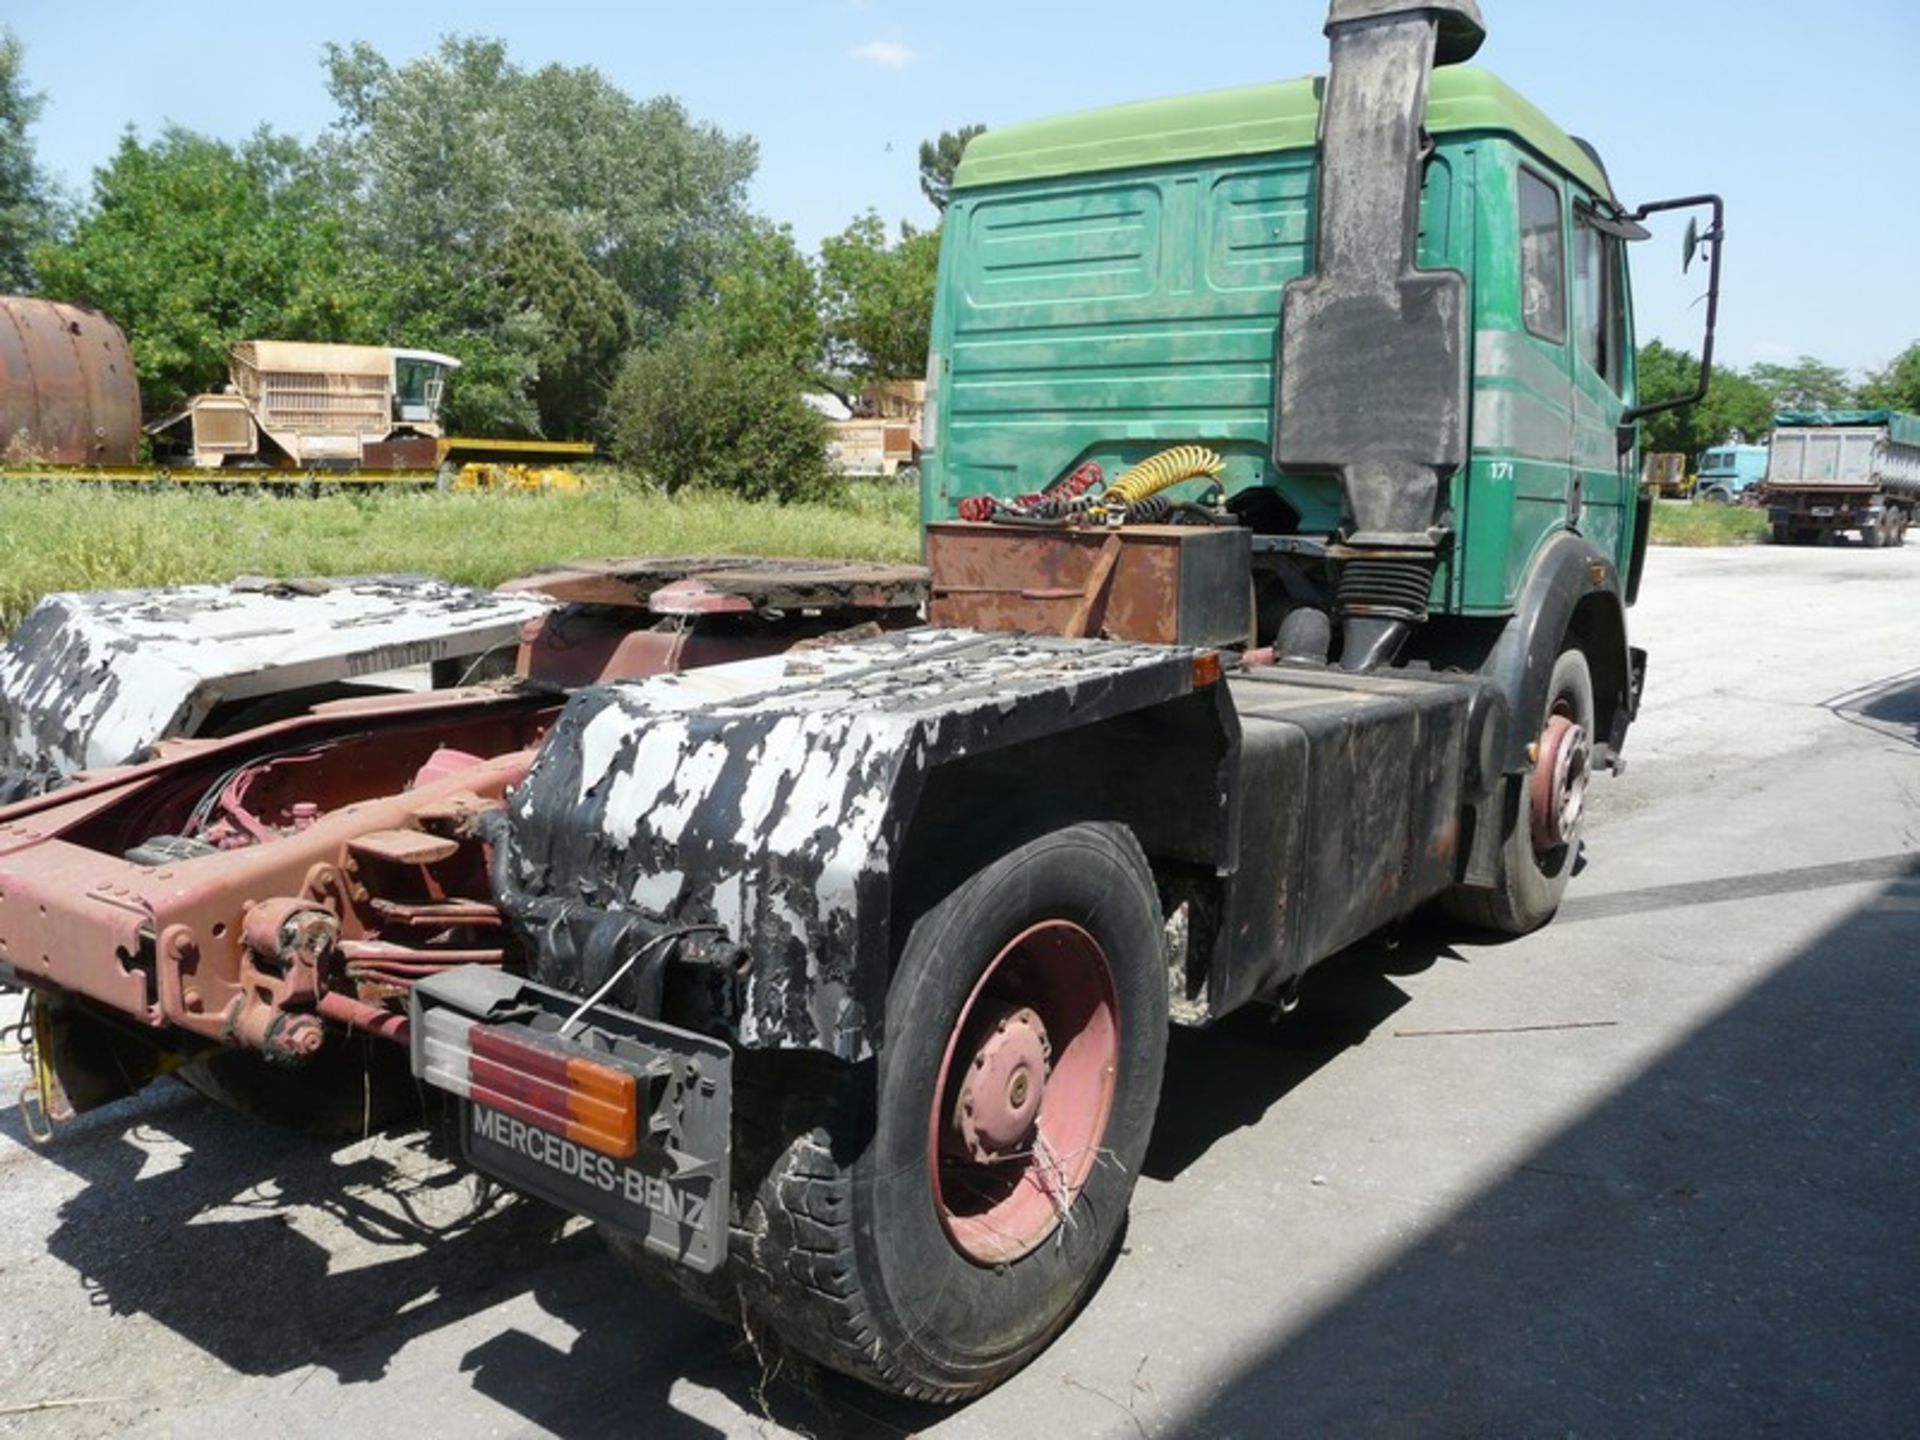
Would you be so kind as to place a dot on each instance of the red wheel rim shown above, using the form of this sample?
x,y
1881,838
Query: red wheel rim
x,y
1025,1088
1559,786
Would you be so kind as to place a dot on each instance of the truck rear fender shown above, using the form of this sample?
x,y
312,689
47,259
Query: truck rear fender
x,y
778,801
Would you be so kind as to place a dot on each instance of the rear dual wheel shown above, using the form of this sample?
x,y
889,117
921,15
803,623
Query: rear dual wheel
x,y
936,1246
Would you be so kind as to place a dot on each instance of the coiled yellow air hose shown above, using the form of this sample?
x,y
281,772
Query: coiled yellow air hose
x,y
1157,472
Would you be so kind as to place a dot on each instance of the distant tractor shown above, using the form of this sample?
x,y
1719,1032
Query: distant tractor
x,y
1726,471
304,406
1664,473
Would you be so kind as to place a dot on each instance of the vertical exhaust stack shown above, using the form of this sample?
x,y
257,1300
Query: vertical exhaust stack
x,y
1373,351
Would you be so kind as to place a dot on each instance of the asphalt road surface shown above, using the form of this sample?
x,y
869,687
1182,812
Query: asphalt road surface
x,y
1698,1212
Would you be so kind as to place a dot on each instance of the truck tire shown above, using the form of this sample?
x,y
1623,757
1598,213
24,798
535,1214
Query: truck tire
x,y
933,1238
1537,856
354,1086
1781,534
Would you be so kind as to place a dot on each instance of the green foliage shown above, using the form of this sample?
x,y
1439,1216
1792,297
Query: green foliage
x,y
582,321
767,301
1807,384
1897,387
25,200
450,148
689,411
939,159
1735,401
1665,372
190,244
877,299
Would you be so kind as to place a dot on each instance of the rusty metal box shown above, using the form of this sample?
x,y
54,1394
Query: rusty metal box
x,y
1156,584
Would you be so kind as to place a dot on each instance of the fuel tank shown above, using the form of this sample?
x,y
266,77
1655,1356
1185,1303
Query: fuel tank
x,y
68,395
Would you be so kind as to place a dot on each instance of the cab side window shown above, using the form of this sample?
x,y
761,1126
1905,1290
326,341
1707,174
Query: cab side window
x,y
1543,259
1599,329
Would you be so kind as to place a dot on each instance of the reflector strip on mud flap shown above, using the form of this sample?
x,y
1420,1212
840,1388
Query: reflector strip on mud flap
x,y
626,1123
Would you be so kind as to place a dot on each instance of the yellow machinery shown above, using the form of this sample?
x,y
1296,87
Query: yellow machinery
x,y
306,414
1664,473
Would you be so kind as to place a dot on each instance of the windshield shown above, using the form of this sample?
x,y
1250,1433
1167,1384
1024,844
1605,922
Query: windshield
x,y
418,386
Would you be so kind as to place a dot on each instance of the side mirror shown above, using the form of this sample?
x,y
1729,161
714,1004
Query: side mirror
x,y
1712,239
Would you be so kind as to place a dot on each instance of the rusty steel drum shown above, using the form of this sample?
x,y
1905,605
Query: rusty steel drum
x,y
68,395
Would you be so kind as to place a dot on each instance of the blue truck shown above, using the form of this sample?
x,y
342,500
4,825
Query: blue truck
x,y
1727,470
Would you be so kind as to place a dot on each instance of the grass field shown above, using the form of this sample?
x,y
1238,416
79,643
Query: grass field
x,y
69,537
1681,523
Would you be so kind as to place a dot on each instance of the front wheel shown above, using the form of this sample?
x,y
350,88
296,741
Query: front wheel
x,y
1026,1033
1538,853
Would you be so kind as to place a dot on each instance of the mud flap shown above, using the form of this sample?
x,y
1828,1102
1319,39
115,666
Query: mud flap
x,y
496,1042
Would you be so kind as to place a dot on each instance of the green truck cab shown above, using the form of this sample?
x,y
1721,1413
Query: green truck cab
x,y
1112,281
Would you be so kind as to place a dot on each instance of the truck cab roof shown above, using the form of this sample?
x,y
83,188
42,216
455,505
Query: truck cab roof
x,y
1250,120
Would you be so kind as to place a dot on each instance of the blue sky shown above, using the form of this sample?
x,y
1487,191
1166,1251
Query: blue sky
x,y
1802,115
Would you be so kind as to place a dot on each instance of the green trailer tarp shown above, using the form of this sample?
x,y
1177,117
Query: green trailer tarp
x,y
1902,428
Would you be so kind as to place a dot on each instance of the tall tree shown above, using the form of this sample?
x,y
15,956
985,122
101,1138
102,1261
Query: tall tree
x,y
1734,402
877,298
582,320
767,301
1806,384
191,243
1664,372
939,158
448,149
1897,387
26,200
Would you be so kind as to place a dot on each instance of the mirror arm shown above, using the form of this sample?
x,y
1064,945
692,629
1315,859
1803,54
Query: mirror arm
x,y
1712,237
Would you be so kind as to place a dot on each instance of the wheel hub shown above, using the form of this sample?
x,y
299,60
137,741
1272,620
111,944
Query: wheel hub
x,y
1559,788
1000,1097
1023,1092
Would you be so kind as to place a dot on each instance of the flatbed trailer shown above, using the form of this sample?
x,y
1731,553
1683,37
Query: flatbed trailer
x,y
460,463
833,979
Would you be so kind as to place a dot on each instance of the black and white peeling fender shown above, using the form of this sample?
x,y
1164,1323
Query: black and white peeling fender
x,y
771,797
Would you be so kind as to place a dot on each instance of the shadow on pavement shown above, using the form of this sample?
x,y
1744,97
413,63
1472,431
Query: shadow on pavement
x,y
1888,706
1227,1077
1723,1246
205,1243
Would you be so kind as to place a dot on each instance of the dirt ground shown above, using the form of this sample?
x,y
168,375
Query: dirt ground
x,y
1693,1213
